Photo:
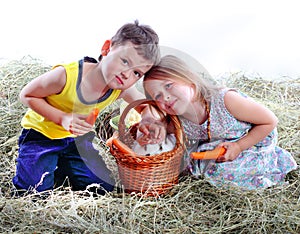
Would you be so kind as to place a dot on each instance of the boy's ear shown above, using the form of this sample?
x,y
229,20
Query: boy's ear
x,y
105,48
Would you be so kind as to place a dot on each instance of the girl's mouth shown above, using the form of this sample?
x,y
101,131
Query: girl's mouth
x,y
169,106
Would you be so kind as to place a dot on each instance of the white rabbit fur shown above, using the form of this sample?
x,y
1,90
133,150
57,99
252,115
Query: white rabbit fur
x,y
151,149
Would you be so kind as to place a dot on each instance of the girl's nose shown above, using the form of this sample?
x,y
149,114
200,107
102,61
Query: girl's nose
x,y
167,97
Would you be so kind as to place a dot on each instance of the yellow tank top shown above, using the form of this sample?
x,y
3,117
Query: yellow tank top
x,y
69,100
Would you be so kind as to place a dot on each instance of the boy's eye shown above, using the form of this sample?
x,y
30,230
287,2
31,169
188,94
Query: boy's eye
x,y
125,61
137,74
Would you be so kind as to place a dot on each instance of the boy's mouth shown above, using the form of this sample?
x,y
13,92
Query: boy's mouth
x,y
119,80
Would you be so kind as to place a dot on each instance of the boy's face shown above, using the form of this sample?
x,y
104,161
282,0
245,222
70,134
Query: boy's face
x,y
123,66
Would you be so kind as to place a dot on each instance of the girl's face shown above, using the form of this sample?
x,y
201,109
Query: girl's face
x,y
123,66
172,97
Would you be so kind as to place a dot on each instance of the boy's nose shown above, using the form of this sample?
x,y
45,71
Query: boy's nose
x,y
126,73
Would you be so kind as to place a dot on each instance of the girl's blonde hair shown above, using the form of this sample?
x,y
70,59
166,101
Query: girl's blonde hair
x,y
172,68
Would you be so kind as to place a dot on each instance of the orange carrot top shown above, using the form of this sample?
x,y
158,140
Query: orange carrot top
x,y
209,154
91,119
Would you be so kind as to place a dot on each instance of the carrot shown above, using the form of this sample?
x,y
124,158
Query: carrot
x,y
209,154
91,119
109,140
122,147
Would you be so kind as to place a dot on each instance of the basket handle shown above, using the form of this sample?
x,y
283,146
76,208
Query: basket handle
x,y
122,126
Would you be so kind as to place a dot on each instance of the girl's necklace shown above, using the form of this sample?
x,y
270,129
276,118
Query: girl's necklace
x,y
208,121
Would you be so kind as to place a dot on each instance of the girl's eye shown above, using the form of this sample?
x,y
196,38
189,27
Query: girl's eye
x,y
168,85
156,97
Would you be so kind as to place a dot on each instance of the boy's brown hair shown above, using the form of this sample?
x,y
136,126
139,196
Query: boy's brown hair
x,y
143,37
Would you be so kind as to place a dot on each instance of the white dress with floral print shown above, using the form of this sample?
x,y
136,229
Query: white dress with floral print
x,y
261,166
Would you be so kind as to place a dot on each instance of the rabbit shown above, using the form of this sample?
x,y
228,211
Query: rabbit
x,y
151,149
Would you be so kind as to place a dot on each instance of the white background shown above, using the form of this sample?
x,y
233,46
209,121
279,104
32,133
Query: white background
x,y
256,36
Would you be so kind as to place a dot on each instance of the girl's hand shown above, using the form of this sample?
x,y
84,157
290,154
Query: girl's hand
x,y
153,132
76,124
232,151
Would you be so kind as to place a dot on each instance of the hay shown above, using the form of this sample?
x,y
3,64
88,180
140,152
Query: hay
x,y
13,76
193,206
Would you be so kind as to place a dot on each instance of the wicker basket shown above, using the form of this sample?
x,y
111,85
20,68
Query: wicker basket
x,y
103,129
146,175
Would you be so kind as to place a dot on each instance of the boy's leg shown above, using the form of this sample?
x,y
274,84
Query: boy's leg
x,y
85,166
36,162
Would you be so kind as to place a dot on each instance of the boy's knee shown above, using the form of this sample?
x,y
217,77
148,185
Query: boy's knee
x,y
102,189
33,183
98,187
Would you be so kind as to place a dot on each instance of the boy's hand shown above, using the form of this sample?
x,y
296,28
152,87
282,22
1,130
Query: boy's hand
x,y
152,126
76,124
153,132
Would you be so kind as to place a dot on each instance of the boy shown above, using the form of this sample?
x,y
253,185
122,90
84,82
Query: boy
x,y
56,141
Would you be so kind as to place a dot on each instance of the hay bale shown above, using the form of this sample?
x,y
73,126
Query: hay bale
x,y
193,206
13,77
282,96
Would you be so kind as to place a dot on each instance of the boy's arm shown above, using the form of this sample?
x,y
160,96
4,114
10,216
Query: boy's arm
x,y
153,126
34,93
133,94
151,121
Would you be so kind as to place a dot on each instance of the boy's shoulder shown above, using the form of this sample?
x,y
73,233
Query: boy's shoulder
x,y
89,60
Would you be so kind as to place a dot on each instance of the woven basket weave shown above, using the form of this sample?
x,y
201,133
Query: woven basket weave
x,y
147,175
103,128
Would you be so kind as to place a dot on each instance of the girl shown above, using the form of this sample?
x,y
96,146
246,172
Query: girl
x,y
214,116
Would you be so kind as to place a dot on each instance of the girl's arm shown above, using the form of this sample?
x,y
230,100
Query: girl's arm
x,y
246,109
34,93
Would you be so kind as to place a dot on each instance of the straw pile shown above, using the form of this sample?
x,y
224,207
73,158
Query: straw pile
x,y
193,206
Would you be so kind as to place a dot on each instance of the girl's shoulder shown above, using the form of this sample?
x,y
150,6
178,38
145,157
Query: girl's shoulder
x,y
220,95
228,92
232,97
224,96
